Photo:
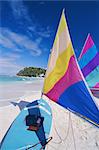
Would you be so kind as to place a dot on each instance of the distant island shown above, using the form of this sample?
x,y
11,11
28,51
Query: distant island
x,y
32,72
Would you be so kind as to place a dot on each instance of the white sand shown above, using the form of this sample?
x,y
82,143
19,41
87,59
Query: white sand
x,y
12,91
69,132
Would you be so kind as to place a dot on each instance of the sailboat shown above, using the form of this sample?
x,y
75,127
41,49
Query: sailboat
x,y
89,64
65,85
64,82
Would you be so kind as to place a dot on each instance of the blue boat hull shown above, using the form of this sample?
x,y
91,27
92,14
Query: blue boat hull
x,y
19,138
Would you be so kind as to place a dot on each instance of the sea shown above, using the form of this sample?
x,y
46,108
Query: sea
x,y
12,88
13,79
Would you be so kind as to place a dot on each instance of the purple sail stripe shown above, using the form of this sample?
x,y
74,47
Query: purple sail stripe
x,y
91,65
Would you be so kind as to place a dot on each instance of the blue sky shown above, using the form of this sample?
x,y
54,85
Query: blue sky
x,y
28,28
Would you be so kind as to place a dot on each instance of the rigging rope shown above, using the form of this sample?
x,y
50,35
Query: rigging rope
x,y
68,128
69,121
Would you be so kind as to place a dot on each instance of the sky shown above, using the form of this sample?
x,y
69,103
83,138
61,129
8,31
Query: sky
x,y
28,28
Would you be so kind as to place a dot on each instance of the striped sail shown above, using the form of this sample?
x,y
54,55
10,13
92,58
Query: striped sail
x,y
89,64
64,82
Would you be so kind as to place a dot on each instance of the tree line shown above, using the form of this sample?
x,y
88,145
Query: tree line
x,y
32,72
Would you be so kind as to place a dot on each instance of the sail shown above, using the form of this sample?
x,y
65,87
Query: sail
x,y
89,64
64,82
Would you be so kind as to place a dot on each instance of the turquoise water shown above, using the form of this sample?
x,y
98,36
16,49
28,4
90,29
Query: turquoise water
x,y
6,78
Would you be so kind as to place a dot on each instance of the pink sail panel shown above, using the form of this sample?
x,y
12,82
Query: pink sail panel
x,y
88,44
71,76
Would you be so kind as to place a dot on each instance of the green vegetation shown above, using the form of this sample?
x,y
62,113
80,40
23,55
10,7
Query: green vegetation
x,y
32,72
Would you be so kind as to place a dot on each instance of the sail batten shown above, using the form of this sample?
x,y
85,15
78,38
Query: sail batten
x,y
64,82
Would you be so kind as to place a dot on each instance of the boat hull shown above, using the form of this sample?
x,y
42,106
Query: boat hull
x,y
19,138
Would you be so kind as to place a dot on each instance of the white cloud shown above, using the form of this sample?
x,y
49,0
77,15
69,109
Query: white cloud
x,y
38,40
42,32
8,66
5,40
20,11
17,42
7,62
23,41
13,56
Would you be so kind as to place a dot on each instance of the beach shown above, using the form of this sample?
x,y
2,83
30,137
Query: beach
x,y
69,132
14,90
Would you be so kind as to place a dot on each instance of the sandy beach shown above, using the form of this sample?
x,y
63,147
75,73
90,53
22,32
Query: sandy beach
x,y
14,91
69,132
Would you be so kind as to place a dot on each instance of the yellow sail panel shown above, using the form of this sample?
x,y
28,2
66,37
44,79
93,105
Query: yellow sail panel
x,y
61,43
59,69
61,49
61,28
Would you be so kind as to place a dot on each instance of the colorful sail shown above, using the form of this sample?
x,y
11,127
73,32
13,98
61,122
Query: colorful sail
x,y
89,63
64,82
